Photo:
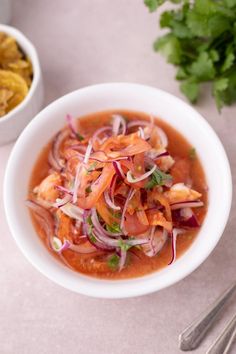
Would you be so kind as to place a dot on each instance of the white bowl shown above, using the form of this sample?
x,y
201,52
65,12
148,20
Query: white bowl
x,y
100,98
12,124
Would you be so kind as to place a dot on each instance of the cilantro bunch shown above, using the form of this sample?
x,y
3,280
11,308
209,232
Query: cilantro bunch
x,y
201,42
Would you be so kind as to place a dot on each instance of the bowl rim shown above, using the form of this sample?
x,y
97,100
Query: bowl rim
x,y
104,290
29,50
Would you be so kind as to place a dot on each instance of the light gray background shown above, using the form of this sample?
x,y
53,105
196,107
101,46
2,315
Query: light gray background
x,y
80,43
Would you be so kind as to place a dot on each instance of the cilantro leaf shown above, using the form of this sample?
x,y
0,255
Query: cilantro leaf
x,y
191,89
181,74
153,4
113,261
158,178
203,68
124,246
201,43
170,47
219,87
114,228
89,220
230,3
92,237
229,59
214,55
79,136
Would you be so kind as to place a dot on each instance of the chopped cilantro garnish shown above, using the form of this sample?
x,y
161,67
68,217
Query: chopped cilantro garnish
x,y
114,228
124,246
89,220
116,214
80,137
92,237
88,189
158,178
192,153
113,261
201,42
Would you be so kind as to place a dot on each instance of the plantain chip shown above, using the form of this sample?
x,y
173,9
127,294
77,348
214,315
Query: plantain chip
x,y
9,50
5,95
16,85
22,68
16,74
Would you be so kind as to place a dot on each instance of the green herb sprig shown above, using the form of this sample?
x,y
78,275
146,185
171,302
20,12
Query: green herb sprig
x,y
158,178
201,42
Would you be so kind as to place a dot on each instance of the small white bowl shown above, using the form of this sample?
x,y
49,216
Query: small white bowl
x,y
12,124
100,98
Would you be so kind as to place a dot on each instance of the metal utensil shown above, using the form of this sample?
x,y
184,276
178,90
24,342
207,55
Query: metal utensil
x,y
225,340
191,337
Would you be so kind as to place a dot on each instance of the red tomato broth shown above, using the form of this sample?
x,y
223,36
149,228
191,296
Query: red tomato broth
x,y
138,264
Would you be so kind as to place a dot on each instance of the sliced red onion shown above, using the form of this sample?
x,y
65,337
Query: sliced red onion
x,y
156,154
45,216
122,260
109,201
141,133
187,204
130,196
138,123
174,235
190,219
156,243
109,159
59,138
86,230
63,189
82,248
130,178
71,124
58,246
72,211
118,121
108,241
99,227
60,202
163,137
43,203
192,222
112,187
99,131
53,162
149,248
116,243
88,152
77,182
118,169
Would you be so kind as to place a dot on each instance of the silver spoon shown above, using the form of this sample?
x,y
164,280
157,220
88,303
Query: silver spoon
x,y
225,340
191,337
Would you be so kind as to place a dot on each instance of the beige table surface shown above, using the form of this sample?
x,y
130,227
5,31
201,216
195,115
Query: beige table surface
x,y
80,43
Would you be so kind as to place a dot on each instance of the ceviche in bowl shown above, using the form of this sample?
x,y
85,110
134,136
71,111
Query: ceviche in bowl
x,y
119,195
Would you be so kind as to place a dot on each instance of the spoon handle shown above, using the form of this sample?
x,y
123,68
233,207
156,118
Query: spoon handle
x,y
224,341
191,337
